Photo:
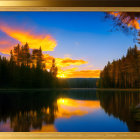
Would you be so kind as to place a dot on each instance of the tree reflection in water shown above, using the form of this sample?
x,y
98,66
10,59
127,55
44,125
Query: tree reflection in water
x,y
38,110
27,110
120,104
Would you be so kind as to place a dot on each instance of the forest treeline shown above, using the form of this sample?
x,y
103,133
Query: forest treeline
x,y
122,73
78,82
26,69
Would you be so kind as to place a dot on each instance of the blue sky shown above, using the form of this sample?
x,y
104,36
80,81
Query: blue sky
x,y
79,35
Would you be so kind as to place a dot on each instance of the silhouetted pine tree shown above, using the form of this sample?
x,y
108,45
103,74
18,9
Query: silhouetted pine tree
x,y
122,73
26,70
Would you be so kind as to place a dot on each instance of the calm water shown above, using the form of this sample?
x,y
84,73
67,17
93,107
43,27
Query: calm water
x,y
68,111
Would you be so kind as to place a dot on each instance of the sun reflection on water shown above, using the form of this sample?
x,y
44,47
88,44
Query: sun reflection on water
x,y
68,107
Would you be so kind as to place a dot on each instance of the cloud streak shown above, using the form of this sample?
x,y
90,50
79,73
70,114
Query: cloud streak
x,y
47,42
14,35
73,72
64,62
6,44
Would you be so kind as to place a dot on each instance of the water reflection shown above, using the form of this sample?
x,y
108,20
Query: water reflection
x,y
120,104
70,107
46,110
26,111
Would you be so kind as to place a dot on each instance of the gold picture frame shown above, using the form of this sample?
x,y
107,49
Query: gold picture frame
x,y
70,5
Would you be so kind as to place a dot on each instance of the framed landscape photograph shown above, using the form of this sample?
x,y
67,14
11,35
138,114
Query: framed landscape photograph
x,y
70,69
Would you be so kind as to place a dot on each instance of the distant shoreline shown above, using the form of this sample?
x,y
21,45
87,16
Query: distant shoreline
x,y
59,89
118,89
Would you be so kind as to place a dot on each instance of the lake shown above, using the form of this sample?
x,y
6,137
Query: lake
x,y
75,110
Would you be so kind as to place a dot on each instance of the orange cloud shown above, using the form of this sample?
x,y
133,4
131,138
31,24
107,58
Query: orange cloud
x,y
74,73
64,62
6,45
4,42
6,49
70,73
86,74
132,23
46,42
69,61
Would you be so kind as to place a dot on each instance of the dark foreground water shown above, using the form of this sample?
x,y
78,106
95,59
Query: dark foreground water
x,y
68,111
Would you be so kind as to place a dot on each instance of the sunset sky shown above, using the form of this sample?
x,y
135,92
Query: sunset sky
x,y
81,42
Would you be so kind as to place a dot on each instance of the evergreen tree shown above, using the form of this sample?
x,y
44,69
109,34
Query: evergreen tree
x,y
26,70
53,68
122,73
